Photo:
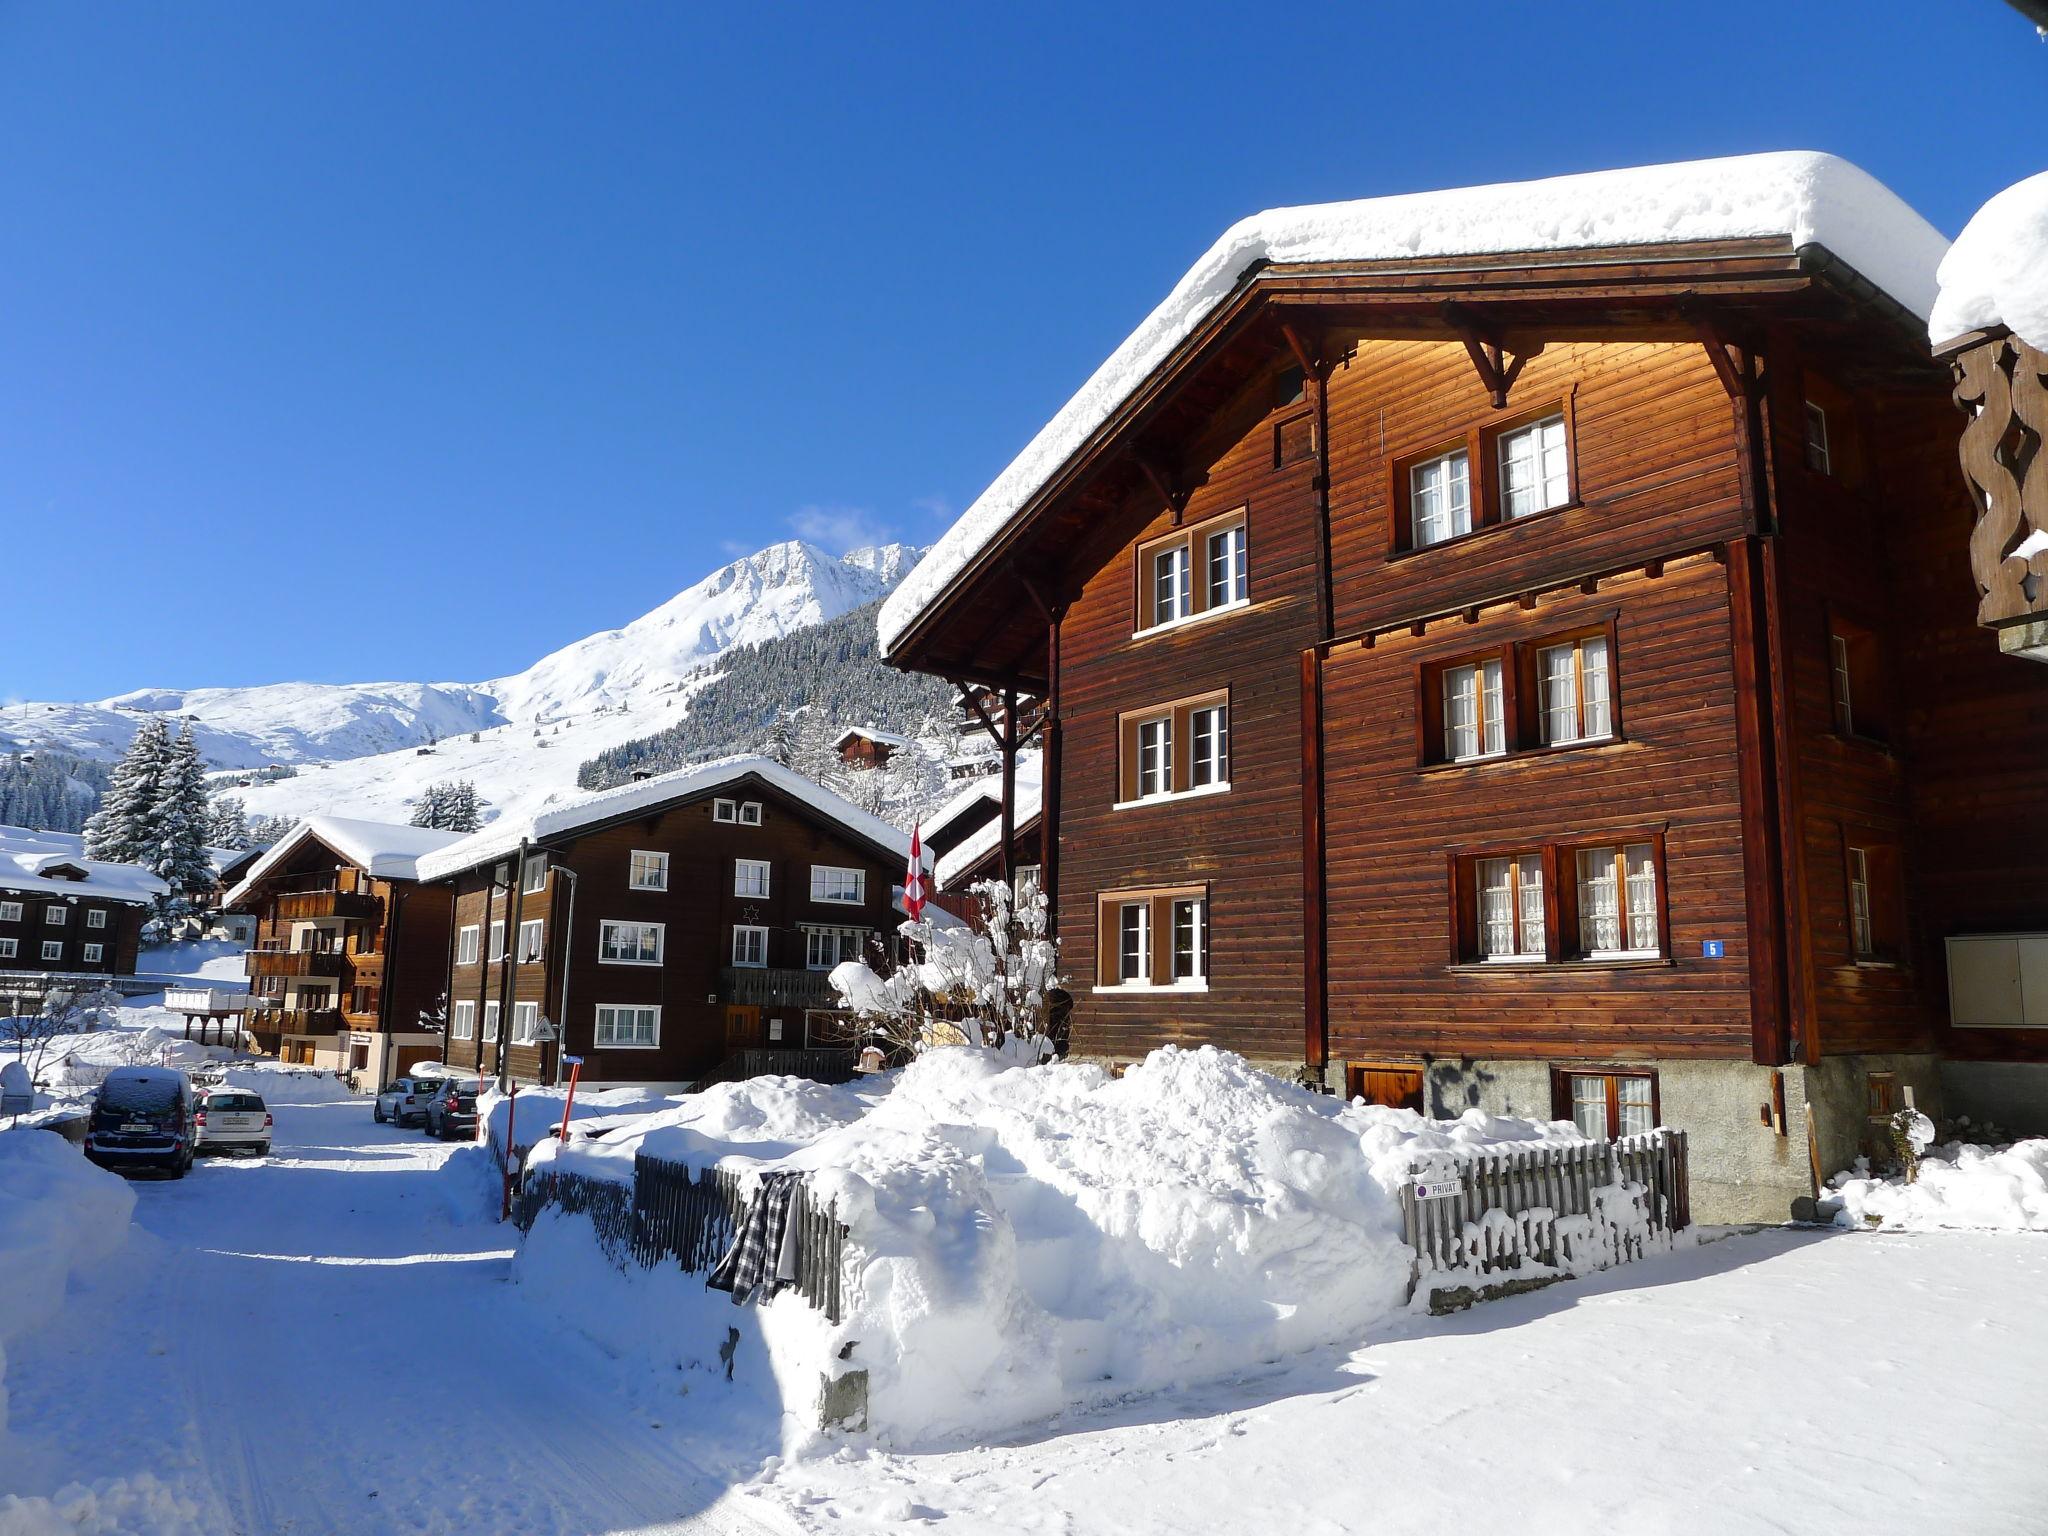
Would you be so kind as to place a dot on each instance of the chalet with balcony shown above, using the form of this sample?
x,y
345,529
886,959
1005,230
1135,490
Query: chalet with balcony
x,y
1511,648
862,746
350,956
664,928
63,915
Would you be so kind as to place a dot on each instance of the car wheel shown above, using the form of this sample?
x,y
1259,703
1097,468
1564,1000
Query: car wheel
x,y
377,1113
179,1168
263,1150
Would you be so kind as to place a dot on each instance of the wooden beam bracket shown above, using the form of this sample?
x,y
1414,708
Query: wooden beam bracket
x,y
1497,363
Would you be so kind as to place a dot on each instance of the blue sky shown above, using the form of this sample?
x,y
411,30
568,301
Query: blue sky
x,y
370,341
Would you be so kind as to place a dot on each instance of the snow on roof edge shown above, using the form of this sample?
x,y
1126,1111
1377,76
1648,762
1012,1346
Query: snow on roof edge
x,y
982,841
1812,198
370,844
504,836
1996,273
26,852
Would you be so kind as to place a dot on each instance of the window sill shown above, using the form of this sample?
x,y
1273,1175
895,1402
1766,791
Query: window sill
x,y
1410,551
750,965
1150,988
839,901
601,960
1171,625
1526,754
1175,795
1873,963
625,1045
1587,963
1867,743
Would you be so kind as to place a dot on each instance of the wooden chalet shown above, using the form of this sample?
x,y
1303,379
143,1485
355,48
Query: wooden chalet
x,y
863,746
63,915
1526,674
965,838
350,956
668,929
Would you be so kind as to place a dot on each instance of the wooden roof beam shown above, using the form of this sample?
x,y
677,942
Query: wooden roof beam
x,y
1498,365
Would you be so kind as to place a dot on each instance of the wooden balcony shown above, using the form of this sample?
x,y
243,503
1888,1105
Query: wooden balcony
x,y
297,962
1998,385
775,987
303,906
292,1021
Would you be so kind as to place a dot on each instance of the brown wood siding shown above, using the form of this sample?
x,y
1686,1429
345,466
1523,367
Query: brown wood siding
x,y
1394,827
1245,845
119,940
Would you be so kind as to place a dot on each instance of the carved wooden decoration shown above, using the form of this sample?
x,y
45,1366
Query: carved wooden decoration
x,y
2002,385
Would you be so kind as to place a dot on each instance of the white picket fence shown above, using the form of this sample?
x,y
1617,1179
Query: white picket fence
x,y
1481,1219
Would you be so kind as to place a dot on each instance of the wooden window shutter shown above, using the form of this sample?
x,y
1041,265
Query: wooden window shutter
x,y
1109,942
1127,759
1183,746
1162,940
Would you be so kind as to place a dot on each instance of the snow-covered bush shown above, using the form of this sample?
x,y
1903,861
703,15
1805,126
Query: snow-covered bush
x,y
1959,1185
994,984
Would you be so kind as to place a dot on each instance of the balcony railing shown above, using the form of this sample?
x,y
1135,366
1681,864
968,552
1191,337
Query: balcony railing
x,y
296,1021
775,987
300,906
297,962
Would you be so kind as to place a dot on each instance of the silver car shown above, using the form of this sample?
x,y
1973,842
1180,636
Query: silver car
x,y
231,1120
405,1101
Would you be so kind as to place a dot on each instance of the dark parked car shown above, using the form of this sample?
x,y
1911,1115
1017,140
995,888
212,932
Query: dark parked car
x,y
451,1112
142,1118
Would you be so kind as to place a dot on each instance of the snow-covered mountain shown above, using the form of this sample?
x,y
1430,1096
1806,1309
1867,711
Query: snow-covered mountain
x,y
783,587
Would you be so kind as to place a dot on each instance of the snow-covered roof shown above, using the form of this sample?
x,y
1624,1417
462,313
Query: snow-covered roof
x,y
29,859
387,850
869,733
1997,271
984,840
565,817
1805,197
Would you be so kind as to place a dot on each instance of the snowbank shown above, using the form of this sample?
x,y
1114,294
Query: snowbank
x,y
535,1114
1029,1239
1961,1186
57,1213
1997,271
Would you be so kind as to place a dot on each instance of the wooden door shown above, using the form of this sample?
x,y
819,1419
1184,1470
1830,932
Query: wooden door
x,y
1395,1087
742,1027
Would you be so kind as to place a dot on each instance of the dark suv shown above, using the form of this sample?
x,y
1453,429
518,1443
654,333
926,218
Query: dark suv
x,y
451,1112
142,1118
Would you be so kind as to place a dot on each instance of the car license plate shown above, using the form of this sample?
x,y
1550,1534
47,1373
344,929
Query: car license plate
x,y
137,1128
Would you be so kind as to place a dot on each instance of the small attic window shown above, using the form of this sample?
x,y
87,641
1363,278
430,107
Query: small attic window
x,y
1287,388
725,810
1817,457
750,813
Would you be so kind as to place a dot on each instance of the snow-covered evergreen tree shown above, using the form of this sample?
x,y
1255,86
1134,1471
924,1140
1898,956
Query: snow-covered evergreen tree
x,y
431,809
448,805
780,743
184,820
124,829
229,827
268,831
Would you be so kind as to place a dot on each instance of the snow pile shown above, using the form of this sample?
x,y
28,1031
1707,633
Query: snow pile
x,y
1806,198
1960,1186
1026,1239
57,1213
1997,271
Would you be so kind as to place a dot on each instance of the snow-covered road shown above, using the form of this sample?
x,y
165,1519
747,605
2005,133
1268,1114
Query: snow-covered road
x,y
323,1341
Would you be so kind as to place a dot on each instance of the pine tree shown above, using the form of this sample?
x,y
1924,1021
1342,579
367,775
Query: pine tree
x,y
229,825
184,818
465,810
431,809
448,805
780,744
124,829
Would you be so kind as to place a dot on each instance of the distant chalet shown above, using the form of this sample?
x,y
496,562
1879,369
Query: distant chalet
x,y
64,915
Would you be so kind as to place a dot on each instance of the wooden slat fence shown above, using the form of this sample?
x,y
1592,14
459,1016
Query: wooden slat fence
x,y
1562,1207
689,1216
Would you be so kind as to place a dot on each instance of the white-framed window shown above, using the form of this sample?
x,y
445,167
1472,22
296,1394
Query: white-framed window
x,y
1155,757
498,938
649,869
627,1026
53,949
1209,745
490,1022
1190,939
9,948
462,1021
1817,456
1535,468
749,945
1440,498
750,813
1225,565
530,940
847,887
1510,895
750,877
525,1023
725,810
535,879
93,953
96,918
827,947
1474,723
1171,580
1862,934
629,943
1618,901
56,917
1134,943
10,911
1575,691
467,940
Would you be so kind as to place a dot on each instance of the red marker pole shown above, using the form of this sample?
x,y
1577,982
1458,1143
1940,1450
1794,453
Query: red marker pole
x,y
511,1111
575,1071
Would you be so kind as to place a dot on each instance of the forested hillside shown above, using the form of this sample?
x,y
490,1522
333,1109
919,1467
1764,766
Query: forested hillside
x,y
49,791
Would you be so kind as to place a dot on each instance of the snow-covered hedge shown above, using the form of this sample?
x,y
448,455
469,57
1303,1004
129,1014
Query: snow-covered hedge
x,y
1960,1185
1028,1239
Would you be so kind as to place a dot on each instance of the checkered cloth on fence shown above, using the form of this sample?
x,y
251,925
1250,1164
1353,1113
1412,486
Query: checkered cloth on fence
x,y
763,1253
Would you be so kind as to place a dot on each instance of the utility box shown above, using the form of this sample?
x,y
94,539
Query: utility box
x,y
1998,981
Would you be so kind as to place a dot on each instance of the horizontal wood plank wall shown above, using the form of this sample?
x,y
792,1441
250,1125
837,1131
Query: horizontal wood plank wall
x,y
698,910
118,941
1392,826
1975,726
1654,450
1246,844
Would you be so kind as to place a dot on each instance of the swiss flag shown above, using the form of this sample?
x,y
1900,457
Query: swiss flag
x,y
913,878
